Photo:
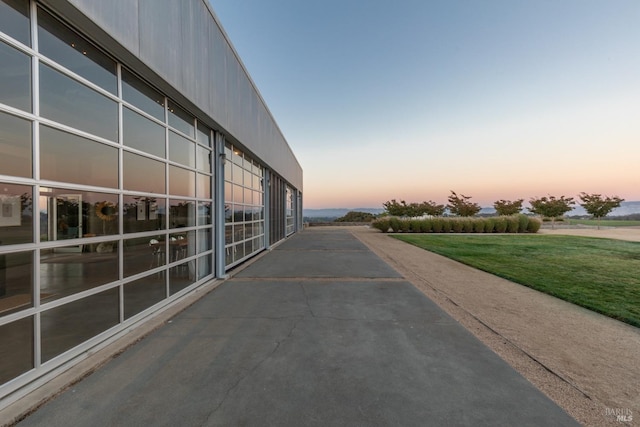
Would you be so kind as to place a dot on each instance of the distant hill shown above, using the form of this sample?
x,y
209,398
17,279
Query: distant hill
x,y
626,208
337,212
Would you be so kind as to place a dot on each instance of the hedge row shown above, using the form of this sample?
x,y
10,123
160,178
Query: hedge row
x,y
519,223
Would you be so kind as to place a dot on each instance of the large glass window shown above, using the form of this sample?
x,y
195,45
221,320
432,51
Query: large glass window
x,y
70,158
14,19
244,229
143,293
142,134
16,282
72,51
143,174
142,96
182,213
72,214
182,182
15,146
69,102
15,78
181,120
16,217
143,253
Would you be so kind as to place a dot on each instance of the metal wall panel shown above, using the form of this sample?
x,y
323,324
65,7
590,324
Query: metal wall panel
x,y
182,42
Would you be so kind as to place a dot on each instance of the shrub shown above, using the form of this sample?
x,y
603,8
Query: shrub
x,y
436,225
415,226
394,223
456,225
489,225
523,222
382,224
405,225
446,225
467,226
534,225
478,225
512,224
501,224
426,226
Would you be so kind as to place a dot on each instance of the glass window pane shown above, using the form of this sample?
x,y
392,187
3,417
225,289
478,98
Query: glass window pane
x,y
71,269
228,192
204,240
182,245
182,182
15,77
203,159
182,213
204,266
14,20
72,214
181,120
204,213
16,351
181,276
142,254
72,51
143,293
72,324
71,158
16,282
142,213
181,150
16,216
67,101
143,174
15,146
204,186
142,96
203,135
142,134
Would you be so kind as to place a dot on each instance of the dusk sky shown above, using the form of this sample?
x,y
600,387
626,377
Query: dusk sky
x,y
409,99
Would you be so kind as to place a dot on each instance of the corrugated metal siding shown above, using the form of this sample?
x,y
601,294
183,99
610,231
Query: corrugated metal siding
x,y
181,41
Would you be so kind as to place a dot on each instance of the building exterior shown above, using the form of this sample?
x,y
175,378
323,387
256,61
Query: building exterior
x,y
138,162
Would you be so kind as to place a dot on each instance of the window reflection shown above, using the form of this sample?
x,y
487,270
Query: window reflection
x,y
72,214
182,182
142,96
16,351
143,134
71,269
204,213
142,254
67,101
181,276
14,20
15,146
204,159
16,215
71,324
16,282
144,213
71,158
71,50
143,293
182,213
204,186
181,120
143,174
182,245
203,135
204,240
181,150
204,266
15,78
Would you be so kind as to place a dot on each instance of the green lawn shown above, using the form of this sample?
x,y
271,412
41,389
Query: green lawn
x,y
604,222
602,275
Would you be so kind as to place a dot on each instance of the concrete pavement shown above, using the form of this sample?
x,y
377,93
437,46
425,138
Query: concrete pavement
x,y
319,331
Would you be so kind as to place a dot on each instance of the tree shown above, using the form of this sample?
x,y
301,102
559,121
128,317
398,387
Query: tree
x,y
507,207
403,208
551,207
461,206
355,216
599,207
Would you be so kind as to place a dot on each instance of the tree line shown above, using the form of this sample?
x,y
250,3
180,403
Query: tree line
x,y
552,207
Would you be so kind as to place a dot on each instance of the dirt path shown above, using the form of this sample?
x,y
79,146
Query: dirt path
x,y
587,363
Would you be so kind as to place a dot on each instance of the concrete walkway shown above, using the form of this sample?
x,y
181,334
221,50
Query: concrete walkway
x,y
319,331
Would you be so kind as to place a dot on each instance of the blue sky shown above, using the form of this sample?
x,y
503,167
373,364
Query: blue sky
x,y
409,99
